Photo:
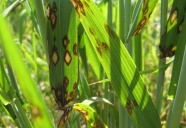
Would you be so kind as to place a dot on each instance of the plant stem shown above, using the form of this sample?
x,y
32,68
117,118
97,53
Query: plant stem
x,y
175,112
161,74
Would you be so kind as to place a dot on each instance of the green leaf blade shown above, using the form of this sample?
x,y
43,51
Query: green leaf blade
x,y
118,65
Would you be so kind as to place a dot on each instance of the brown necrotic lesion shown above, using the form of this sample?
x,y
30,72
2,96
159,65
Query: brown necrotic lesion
x,y
109,31
130,105
67,57
180,25
64,115
78,6
51,14
65,82
75,49
174,16
54,55
66,41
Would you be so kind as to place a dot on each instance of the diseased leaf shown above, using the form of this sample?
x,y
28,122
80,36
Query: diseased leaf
x,y
63,54
118,65
173,29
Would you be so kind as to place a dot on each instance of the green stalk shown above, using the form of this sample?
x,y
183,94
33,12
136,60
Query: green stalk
x,y
105,85
161,74
20,114
138,52
124,23
41,20
175,112
176,109
123,122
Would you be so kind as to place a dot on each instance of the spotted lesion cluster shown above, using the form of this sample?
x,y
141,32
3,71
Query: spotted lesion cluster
x,y
130,105
145,17
176,20
64,114
78,5
61,95
67,54
51,11
166,52
61,52
102,46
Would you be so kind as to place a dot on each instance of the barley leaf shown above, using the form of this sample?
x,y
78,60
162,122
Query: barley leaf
x,y
118,65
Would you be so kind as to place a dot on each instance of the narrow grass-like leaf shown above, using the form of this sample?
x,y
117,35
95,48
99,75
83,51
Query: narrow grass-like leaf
x,y
6,92
141,14
11,7
63,54
173,29
177,62
84,88
161,74
29,89
90,114
41,19
118,65
175,112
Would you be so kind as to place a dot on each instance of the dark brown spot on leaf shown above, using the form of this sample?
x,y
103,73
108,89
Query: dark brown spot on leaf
x,y
105,46
75,51
99,123
145,6
99,50
48,11
87,6
65,82
67,58
149,14
72,94
75,85
54,7
142,22
173,16
136,31
180,26
36,112
109,31
65,114
59,95
54,57
166,52
130,105
51,14
91,30
66,41
78,6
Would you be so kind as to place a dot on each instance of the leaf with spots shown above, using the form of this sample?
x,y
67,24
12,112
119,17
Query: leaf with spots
x,y
173,29
118,65
141,15
62,51
90,114
178,61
